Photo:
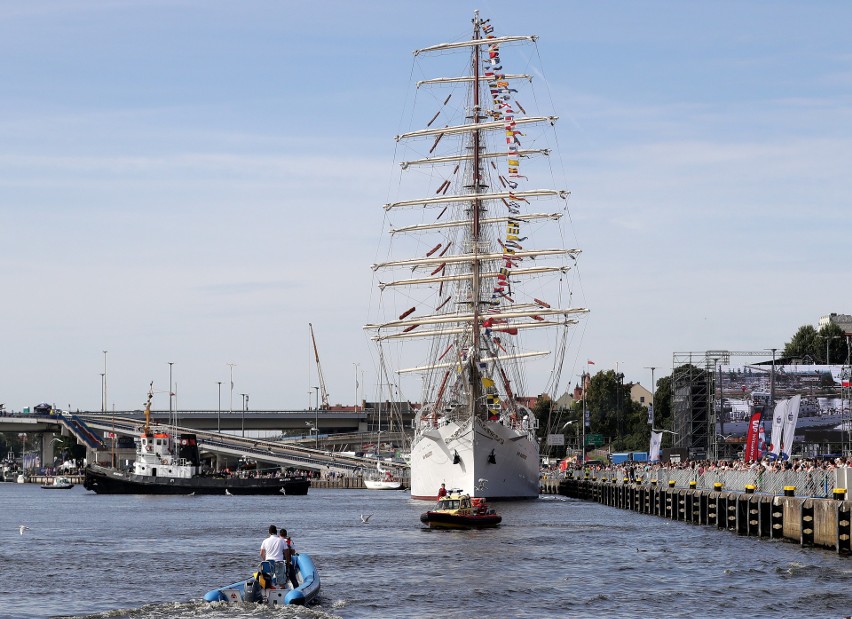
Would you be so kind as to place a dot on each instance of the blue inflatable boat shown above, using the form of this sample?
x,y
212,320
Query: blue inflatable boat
x,y
269,585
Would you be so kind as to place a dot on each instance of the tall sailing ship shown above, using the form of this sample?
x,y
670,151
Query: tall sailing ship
x,y
468,286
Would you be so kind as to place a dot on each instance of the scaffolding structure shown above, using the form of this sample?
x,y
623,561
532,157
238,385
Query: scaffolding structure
x,y
846,403
697,399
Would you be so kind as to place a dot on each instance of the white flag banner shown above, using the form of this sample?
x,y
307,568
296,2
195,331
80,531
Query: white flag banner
x,y
654,451
792,418
777,427
651,415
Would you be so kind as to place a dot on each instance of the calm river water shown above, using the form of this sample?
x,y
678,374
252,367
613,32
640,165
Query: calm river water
x,y
141,557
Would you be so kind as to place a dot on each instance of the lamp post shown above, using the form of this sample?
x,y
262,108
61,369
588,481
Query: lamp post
x,y
231,403
576,432
620,378
103,403
653,393
356,386
316,418
171,390
828,339
243,419
106,399
219,408
772,381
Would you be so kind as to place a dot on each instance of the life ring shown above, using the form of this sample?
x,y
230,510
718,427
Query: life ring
x,y
183,441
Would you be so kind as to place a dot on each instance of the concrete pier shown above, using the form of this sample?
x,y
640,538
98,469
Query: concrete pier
x,y
823,523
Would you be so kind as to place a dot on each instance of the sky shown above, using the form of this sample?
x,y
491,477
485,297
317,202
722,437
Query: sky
x,y
193,183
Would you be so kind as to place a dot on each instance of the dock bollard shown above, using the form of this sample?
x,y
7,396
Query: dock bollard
x,y
692,485
789,490
717,486
749,489
653,482
840,494
626,480
671,483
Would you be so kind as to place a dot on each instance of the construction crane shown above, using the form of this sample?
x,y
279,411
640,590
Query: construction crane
x,y
323,392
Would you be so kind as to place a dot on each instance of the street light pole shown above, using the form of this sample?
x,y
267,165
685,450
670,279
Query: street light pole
x,y
243,418
103,404
619,396
171,389
653,393
828,339
772,381
106,399
356,386
219,408
231,403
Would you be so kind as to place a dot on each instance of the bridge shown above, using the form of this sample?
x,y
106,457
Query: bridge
x,y
305,439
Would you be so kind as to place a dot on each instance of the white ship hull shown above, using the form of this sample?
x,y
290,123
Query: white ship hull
x,y
513,474
372,484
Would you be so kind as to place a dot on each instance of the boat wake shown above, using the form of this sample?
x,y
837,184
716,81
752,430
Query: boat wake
x,y
196,609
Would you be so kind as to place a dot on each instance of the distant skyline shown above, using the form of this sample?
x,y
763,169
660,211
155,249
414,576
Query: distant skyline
x,y
194,182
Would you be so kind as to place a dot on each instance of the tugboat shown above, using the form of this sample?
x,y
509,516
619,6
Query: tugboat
x,y
167,464
457,510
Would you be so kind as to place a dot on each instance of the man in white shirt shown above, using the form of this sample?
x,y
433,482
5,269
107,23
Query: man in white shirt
x,y
272,548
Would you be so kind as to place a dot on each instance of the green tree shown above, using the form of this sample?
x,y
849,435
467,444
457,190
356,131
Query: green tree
x,y
833,342
544,412
805,343
609,405
813,344
663,404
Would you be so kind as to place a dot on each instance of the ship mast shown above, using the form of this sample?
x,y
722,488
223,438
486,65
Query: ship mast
x,y
147,428
475,381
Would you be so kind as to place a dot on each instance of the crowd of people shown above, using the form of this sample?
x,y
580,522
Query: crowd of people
x,y
700,467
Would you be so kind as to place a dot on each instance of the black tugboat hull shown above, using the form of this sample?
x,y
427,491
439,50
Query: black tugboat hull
x,y
109,481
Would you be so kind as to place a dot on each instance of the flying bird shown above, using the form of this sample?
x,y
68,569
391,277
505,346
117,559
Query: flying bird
x,y
480,484
228,492
282,491
23,528
366,519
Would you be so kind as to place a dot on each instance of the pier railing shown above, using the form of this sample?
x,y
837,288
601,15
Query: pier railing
x,y
818,483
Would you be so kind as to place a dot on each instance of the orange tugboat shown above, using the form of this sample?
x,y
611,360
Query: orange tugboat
x,y
457,510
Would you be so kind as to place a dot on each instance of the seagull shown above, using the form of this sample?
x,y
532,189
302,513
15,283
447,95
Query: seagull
x,y
228,492
480,484
366,519
23,528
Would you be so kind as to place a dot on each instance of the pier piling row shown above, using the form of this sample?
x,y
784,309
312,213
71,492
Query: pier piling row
x,y
825,523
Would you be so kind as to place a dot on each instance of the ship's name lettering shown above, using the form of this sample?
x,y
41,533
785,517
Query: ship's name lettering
x,y
492,435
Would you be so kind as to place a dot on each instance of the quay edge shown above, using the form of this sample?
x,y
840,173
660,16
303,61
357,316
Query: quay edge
x,y
814,522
